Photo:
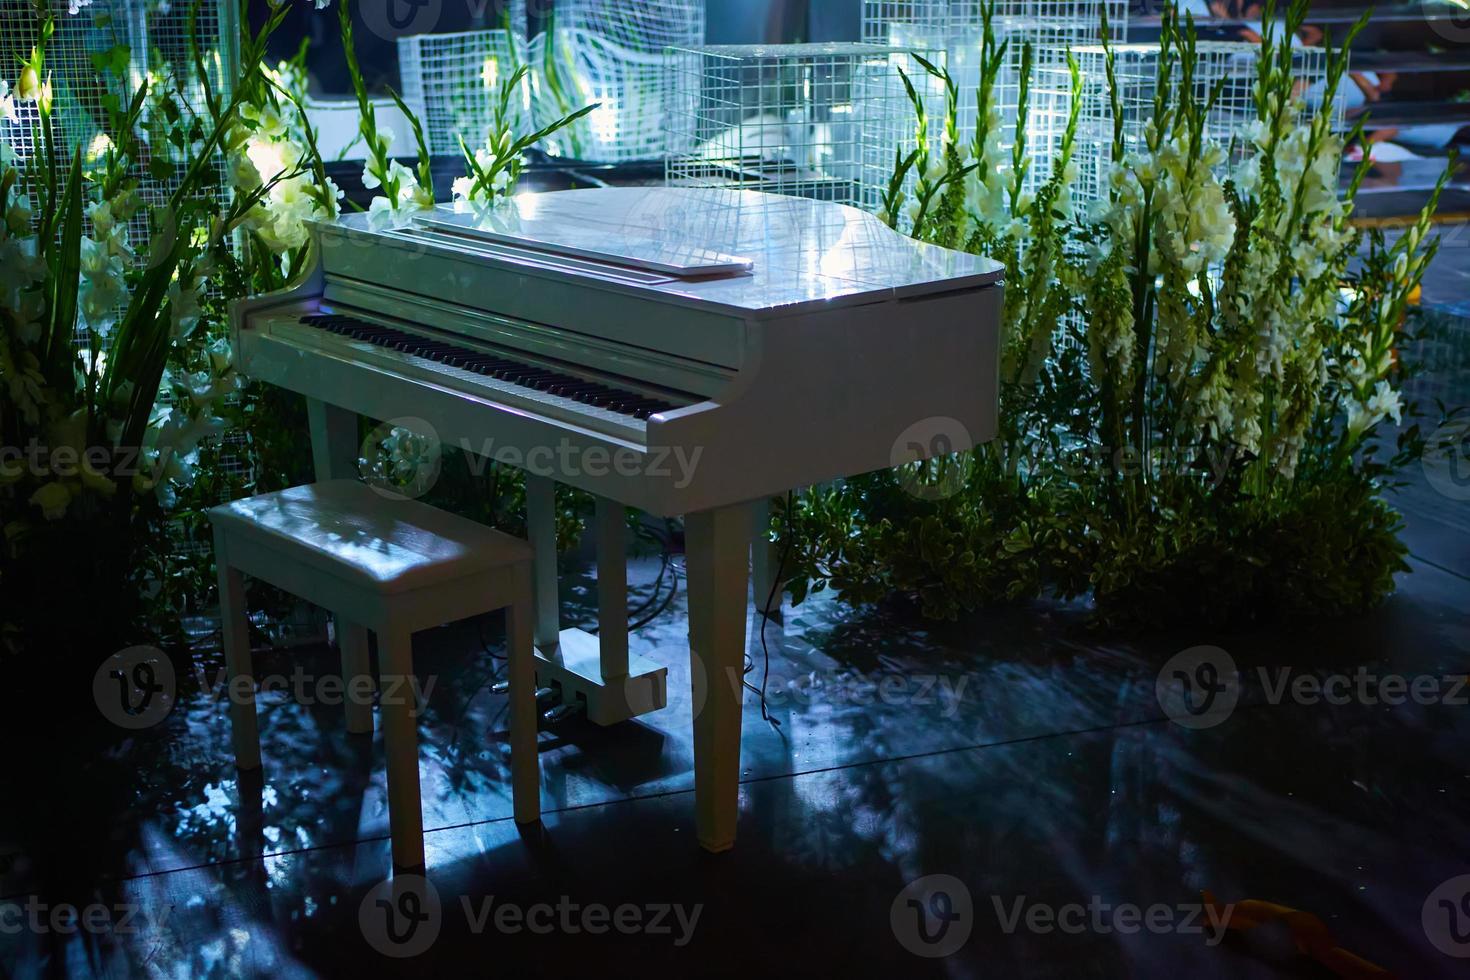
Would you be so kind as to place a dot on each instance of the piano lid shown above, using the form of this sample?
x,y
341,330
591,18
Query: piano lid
x,y
632,246
785,253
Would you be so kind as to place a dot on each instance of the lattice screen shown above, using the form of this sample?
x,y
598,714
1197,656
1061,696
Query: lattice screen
x,y
1136,68
812,120
954,27
451,81
614,52
157,38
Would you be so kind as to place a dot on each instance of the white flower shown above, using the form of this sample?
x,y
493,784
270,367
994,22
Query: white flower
x,y
99,300
381,212
74,7
242,172
1386,402
19,265
462,187
99,147
7,103
270,123
221,355
102,217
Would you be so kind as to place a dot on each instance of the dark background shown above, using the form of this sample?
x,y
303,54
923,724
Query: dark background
x,y
729,22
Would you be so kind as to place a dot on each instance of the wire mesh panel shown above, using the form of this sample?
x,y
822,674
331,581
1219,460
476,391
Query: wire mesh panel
x,y
1231,65
451,81
955,27
811,120
147,40
612,52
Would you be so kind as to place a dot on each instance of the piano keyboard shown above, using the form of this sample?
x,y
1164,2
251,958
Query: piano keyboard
x,y
496,374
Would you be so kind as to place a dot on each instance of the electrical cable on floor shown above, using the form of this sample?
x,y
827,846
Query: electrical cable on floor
x,y
766,616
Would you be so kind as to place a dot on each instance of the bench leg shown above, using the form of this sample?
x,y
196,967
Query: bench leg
x,y
525,761
718,545
357,676
399,706
239,675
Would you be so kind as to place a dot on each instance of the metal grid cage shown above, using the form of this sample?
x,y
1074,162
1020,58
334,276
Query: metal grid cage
x,y
810,120
955,27
1233,65
451,81
613,53
156,37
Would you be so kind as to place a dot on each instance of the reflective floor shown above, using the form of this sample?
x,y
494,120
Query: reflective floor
x,y
1078,818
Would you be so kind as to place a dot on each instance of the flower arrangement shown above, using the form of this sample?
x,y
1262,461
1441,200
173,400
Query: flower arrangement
x,y
116,375
1195,371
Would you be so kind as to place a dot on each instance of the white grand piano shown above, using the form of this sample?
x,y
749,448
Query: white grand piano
x,y
689,352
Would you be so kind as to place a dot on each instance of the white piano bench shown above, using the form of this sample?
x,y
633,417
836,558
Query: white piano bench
x,y
393,566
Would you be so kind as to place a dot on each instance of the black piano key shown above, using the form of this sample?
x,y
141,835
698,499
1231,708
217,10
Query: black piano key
x,y
505,369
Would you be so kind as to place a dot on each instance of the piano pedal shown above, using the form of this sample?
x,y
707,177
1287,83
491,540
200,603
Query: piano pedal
x,y
500,687
562,712
545,694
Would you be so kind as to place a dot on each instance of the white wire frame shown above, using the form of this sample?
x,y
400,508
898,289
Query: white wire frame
x,y
955,28
156,37
1230,65
613,53
810,120
451,82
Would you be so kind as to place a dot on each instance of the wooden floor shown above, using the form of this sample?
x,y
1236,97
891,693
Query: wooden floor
x,y
1013,751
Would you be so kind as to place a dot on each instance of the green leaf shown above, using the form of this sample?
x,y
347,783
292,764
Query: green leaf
x,y
114,61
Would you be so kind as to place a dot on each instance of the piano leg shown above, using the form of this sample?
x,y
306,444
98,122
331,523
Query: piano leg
x,y
717,542
612,588
541,530
765,560
334,443
595,672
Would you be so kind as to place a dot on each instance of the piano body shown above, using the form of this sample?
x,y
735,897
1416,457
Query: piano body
x,y
689,352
